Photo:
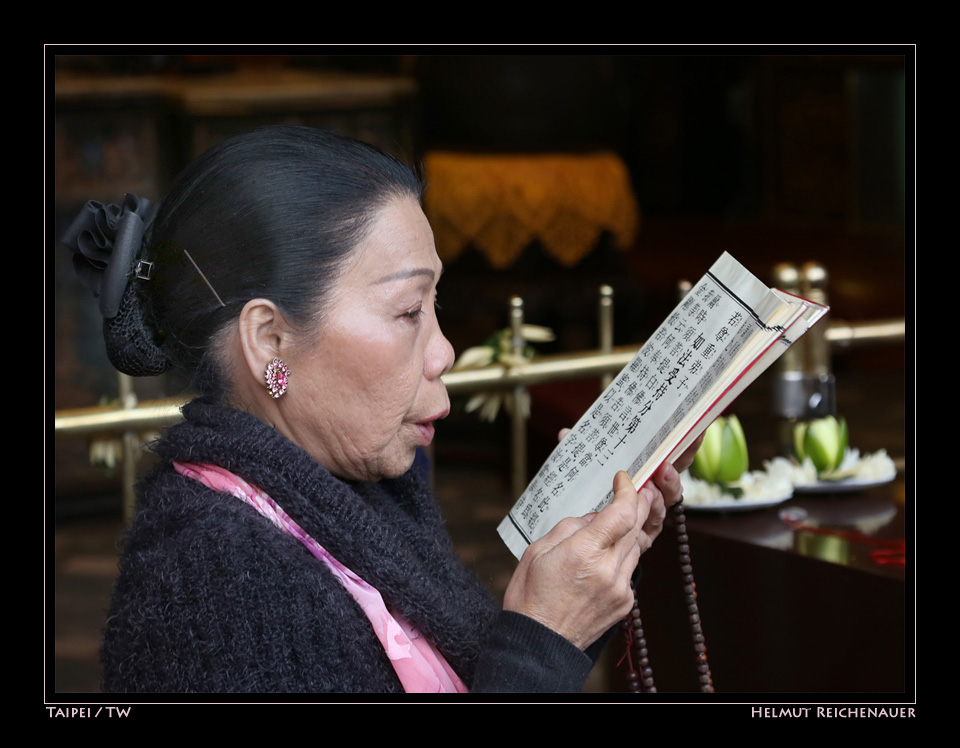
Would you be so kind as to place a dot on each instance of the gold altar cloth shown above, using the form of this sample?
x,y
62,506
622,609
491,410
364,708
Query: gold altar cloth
x,y
500,203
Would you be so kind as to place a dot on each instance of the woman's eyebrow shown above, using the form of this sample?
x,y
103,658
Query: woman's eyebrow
x,y
410,273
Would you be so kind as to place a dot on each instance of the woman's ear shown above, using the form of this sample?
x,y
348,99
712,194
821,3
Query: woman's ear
x,y
262,335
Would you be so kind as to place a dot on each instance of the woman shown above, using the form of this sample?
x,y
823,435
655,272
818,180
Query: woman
x,y
284,543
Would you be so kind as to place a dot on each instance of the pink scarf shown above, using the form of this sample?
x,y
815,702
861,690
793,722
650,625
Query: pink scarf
x,y
418,664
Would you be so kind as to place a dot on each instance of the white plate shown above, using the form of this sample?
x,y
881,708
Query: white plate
x,y
730,504
846,485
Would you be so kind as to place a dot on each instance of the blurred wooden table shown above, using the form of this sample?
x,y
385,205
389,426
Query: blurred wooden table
x,y
787,610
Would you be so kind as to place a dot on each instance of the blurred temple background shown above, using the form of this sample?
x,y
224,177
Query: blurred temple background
x,y
549,176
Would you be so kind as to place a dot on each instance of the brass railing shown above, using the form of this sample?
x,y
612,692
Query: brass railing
x,y
131,417
155,414
589,364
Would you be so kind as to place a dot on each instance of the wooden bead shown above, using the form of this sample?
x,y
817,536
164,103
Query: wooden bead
x,y
634,627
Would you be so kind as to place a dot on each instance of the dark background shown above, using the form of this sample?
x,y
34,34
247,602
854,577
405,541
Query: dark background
x,y
775,157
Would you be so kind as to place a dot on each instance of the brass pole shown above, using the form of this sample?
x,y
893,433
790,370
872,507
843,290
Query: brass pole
x,y
150,415
520,404
605,318
819,372
158,414
788,382
786,277
842,336
131,446
814,288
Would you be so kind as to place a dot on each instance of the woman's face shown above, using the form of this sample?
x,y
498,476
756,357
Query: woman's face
x,y
366,389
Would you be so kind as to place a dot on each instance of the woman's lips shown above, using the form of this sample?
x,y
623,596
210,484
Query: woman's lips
x,y
426,429
426,433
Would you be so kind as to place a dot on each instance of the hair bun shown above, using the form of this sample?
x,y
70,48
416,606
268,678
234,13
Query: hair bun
x,y
106,241
131,345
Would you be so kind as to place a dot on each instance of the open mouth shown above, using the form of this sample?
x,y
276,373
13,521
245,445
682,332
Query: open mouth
x,y
426,433
426,429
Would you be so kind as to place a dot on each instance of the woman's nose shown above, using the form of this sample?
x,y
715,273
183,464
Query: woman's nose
x,y
439,355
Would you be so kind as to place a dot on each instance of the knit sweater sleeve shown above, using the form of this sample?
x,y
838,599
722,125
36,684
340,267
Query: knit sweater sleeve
x,y
521,655
211,598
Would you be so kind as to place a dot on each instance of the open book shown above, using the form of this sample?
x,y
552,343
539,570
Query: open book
x,y
727,331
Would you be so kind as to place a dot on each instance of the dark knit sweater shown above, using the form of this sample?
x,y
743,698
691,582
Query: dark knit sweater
x,y
212,597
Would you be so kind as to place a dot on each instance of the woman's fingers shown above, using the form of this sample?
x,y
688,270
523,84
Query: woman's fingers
x,y
667,480
686,459
563,530
624,515
576,578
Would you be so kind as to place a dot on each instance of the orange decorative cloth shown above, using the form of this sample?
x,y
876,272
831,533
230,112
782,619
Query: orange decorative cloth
x,y
499,203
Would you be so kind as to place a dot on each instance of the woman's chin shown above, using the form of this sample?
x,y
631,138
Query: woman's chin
x,y
393,468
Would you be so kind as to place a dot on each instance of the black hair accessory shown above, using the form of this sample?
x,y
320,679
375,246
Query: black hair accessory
x,y
106,242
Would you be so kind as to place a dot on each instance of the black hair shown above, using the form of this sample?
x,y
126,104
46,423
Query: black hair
x,y
273,213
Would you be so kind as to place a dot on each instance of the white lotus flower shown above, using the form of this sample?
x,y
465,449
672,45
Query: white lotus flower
x,y
499,348
723,456
824,441
474,358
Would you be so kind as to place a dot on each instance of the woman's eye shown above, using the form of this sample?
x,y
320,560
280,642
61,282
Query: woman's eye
x,y
418,313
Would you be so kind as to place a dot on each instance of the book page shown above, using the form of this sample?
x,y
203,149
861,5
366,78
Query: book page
x,y
727,330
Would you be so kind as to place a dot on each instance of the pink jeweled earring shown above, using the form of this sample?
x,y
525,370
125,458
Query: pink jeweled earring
x,y
277,376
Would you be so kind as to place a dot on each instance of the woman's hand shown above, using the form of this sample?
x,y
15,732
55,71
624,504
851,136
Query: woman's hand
x,y
576,579
667,477
686,459
667,488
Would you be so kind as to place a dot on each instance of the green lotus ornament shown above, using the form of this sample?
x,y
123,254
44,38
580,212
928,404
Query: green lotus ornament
x,y
723,457
824,441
